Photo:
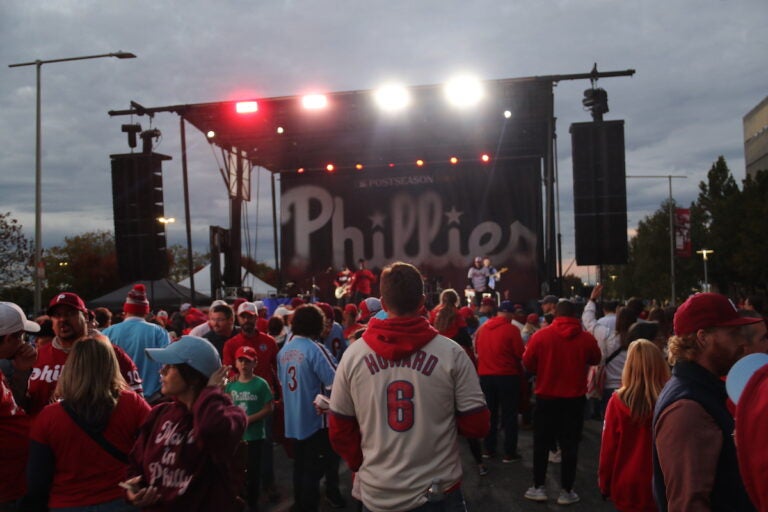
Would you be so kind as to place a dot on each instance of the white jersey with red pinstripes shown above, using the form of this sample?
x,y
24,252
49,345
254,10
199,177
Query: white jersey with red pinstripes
x,y
407,415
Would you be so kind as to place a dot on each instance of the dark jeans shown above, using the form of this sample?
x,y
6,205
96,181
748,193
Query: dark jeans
x,y
253,473
314,458
561,420
502,392
453,502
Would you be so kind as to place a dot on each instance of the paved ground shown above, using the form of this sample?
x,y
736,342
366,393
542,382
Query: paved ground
x,y
502,489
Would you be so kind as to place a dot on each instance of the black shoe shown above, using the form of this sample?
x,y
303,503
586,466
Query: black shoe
x,y
335,500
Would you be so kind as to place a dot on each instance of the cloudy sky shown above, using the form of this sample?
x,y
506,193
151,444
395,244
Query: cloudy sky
x,y
701,65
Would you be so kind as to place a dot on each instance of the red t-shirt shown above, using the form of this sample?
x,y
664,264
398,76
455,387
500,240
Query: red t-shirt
x,y
14,446
363,280
85,473
50,361
265,345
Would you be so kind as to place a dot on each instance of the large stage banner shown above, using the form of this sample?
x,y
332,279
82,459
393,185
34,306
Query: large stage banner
x,y
436,217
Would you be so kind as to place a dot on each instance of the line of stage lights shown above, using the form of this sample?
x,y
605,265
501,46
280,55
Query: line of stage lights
x,y
331,167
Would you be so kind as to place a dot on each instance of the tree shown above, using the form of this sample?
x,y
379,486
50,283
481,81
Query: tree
x,y
178,269
85,264
15,253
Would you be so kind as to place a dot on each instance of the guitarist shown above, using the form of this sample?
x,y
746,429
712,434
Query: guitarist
x,y
493,275
343,284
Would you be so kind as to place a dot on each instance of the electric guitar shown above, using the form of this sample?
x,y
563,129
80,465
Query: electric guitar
x,y
342,290
498,273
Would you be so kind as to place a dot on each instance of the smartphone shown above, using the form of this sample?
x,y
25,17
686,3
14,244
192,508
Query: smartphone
x,y
130,487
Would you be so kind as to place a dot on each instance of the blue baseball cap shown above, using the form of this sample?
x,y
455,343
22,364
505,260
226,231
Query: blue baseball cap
x,y
198,353
741,372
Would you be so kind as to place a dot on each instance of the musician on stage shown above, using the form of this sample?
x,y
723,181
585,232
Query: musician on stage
x,y
478,277
343,284
361,282
493,274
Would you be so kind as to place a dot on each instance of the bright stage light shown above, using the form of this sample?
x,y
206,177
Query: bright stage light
x,y
419,163
314,101
359,167
391,165
280,130
485,158
246,107
210,134
330,167
464,91
300,170
392,97
507,114
454,160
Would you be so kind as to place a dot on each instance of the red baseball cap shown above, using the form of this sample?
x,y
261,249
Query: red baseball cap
x,y
350,309
67,299
705,310
326,309
246,352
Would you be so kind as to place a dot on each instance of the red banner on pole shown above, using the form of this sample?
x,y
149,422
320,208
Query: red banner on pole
x,y
683,247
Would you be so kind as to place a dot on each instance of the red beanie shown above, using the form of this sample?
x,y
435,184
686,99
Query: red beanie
x,y
136,303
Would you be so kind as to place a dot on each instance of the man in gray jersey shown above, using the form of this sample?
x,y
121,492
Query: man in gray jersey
x,y
401,395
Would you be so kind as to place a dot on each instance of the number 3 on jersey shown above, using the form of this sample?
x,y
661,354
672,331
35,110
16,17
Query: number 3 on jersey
x,y
400,405
292,383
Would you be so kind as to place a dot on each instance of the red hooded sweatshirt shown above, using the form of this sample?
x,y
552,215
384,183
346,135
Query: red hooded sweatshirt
x,y
626,473
499,348
560,356
394,339
752,439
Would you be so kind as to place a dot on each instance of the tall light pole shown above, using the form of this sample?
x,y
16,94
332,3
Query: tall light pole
x,y
671,230
704,253
38,271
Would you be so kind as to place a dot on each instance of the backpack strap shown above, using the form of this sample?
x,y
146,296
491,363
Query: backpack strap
x,y
96,436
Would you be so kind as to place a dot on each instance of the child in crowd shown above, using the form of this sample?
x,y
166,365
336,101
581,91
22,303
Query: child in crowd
x,y
252,394
625,470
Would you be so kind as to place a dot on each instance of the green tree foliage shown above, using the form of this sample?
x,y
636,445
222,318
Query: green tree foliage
x,y
731,222
15,253
85,264
178,268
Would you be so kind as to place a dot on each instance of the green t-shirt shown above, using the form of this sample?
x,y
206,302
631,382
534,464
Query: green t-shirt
x,y
251,397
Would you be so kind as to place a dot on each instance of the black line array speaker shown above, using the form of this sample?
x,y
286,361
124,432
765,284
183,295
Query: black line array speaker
x,y
137,201
599,192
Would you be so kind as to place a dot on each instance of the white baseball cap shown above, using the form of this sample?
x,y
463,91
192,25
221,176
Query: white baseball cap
x,y
247,307
12,319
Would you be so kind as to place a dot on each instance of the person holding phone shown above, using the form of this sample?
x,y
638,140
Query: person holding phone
x,y
79,445
183,458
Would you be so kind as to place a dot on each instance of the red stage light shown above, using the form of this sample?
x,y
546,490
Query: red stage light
x,y
391,165
300,170
246,107
454,160
420,163
359,167
485,158
330,167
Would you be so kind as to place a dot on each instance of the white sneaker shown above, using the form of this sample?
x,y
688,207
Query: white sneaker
x,y
555,457
567,498
536,493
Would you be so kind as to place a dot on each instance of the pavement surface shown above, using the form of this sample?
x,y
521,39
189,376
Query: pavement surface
x,y
501,489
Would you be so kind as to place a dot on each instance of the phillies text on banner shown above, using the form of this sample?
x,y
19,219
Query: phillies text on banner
x,y
436,217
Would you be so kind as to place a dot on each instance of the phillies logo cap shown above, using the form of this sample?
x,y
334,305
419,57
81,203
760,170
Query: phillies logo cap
x,y
246,352
67,299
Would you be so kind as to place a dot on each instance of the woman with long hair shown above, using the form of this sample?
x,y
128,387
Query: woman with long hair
x,y
449,322
79,446
625,471
184,456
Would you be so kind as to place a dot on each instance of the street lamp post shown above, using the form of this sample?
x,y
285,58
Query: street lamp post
x,y
704,253
671,230
38,161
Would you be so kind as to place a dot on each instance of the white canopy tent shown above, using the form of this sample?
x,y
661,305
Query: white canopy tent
x,y
203,283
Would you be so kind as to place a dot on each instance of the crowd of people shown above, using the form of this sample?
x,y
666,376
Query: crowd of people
x,y
181,411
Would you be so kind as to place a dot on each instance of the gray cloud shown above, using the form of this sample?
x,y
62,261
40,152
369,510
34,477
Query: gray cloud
x,y
700,67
